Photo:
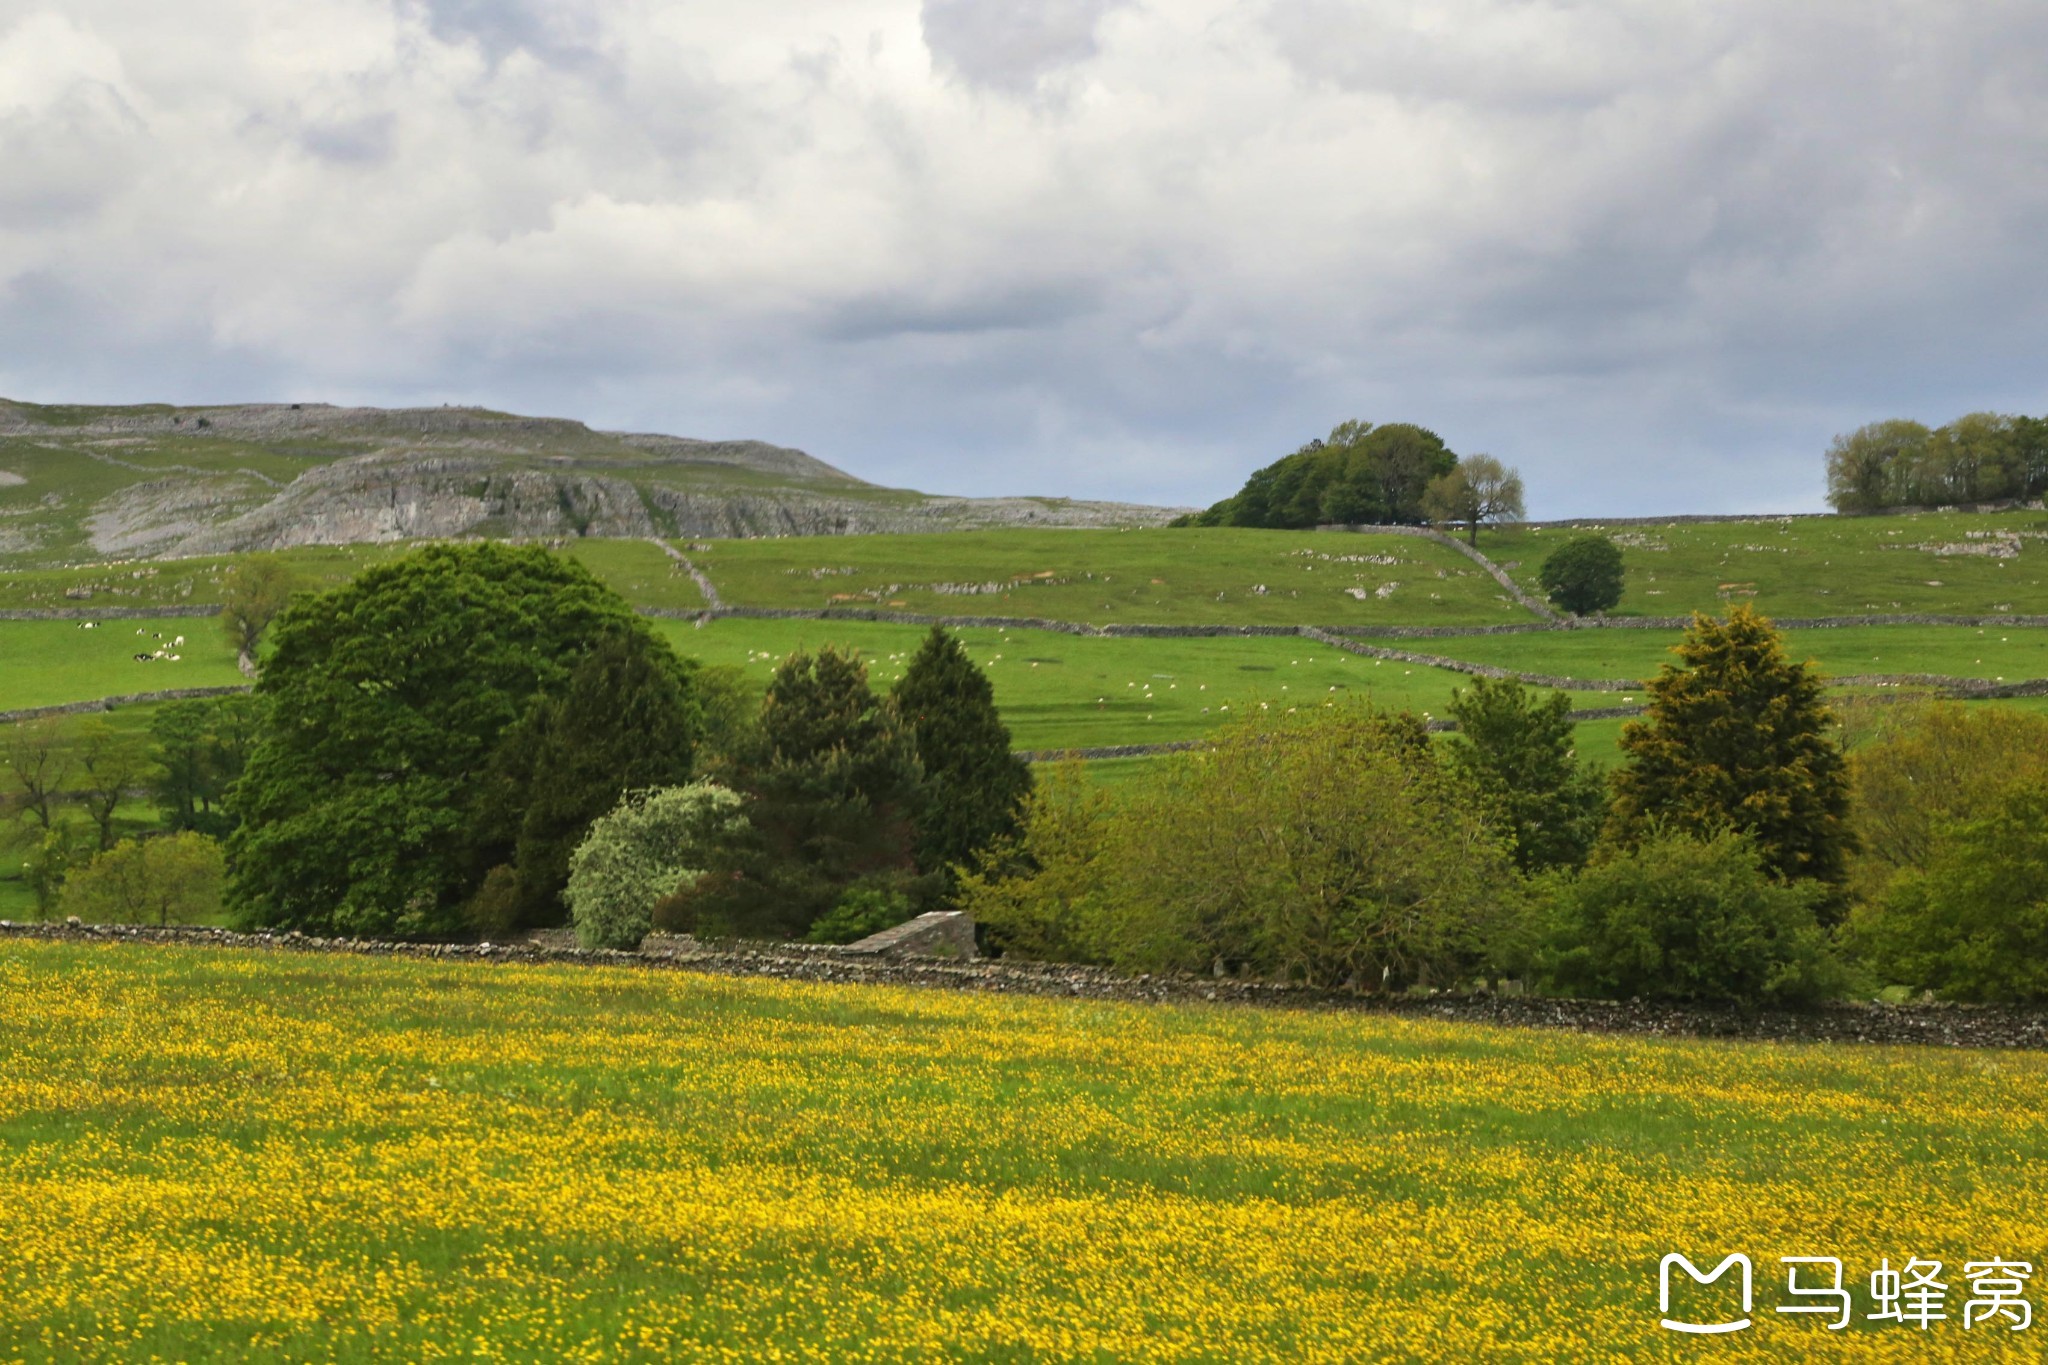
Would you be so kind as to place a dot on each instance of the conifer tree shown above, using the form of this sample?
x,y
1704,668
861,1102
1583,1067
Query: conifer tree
x,y
1518,751
1737,738
832,784
624,720
974,786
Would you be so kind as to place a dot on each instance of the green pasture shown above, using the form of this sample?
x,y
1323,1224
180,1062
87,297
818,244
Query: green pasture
x,y
1060,691
1810,566
2005,653
47,663
1205,577
638,570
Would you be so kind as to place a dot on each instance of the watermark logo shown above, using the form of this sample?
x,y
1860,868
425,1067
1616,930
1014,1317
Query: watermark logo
x,y
1737,1259
1915,1295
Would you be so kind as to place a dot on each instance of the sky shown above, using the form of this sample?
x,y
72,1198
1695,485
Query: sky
x,y
1653,255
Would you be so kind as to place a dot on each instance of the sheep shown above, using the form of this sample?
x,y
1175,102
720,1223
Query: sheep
x,y
142,658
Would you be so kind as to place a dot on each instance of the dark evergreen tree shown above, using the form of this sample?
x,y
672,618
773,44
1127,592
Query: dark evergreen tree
x,y
626,719
1738,738
974,786
832,783
1517,750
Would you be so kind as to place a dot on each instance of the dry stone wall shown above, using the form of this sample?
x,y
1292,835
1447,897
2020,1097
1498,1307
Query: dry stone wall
x,y
1503,1005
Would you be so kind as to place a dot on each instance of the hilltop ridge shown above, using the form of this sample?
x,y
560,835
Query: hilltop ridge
x,y
154,480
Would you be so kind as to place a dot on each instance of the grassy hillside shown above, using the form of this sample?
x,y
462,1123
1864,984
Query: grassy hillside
x,y
1815,566
1204,577
2010,653
228,1156
1063,691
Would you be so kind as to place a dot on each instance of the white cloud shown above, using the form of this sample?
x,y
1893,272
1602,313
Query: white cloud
x,y
1653,254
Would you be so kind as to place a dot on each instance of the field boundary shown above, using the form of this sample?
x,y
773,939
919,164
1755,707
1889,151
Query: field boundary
x,y
106,613
1920,1025
79,708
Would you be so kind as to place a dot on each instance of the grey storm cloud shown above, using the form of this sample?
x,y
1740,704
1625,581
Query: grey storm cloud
x,y
1655,255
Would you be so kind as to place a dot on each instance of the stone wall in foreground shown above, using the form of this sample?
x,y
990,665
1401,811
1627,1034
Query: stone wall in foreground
x,y
1931,1025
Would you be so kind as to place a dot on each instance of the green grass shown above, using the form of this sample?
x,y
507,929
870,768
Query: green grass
x,y
1060,691
1820,566
178,582
639,571
46,663
2011,653
1144,576
246,1156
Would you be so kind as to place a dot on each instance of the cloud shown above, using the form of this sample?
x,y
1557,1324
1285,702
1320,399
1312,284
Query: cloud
x,y
1009,44
1653,255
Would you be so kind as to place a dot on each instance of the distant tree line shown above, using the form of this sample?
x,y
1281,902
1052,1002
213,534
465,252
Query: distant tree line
x,y
1979,457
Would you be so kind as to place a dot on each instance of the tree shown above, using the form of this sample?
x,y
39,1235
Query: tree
x,y
973,785
644,849
1042,893
1737,737
1685,918
1972,924
1362,473
171,879
1928,767
109,764
626,719
1480,489
1875,466
39,761
386,701
201,747
1328,847
253,592
832,787
1583,575
1517,750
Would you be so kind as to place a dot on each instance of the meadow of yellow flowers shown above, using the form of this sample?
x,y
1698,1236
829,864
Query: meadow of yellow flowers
x,y
225,1155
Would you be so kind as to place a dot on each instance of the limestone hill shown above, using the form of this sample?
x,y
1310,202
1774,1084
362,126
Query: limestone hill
x,y
79,483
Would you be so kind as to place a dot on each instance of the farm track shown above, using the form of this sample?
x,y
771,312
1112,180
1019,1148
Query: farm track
x,y
1916,1025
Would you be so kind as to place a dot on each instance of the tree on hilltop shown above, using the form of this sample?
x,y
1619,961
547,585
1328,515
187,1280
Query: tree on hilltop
x,y
1361,473
1481,488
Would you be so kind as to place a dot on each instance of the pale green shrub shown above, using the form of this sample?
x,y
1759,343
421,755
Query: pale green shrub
x,y
647,847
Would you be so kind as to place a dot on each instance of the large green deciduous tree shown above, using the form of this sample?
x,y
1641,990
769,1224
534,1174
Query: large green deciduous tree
x,y
1583,575
974,786
1972,923
1737,736
386,699
1517,749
